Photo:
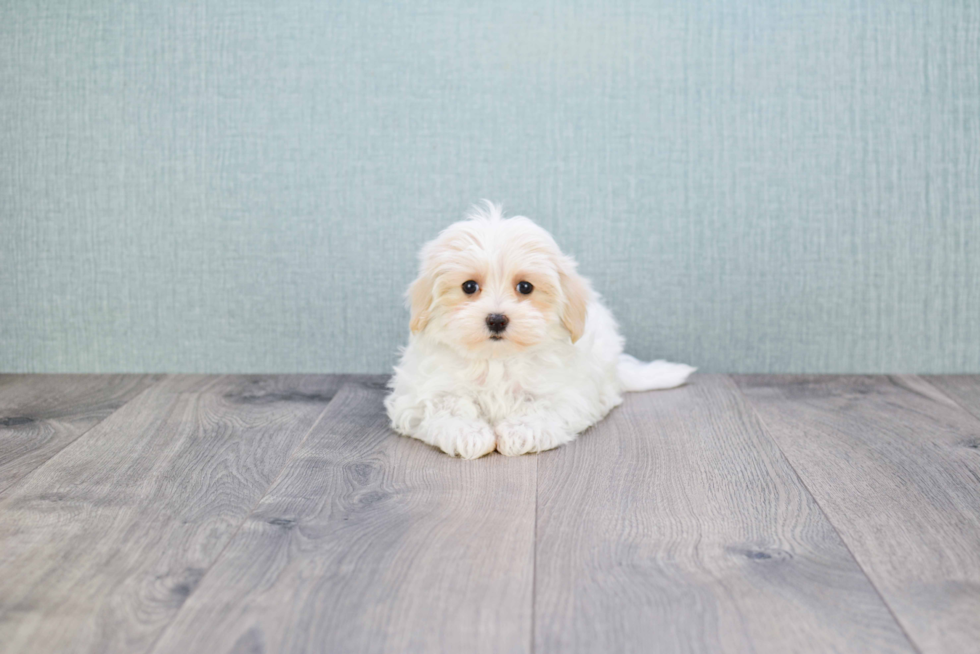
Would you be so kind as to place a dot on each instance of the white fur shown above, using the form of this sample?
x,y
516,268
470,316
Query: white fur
x,y
537,387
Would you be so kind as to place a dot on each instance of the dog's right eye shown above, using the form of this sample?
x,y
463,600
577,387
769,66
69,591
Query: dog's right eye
x,y
470,287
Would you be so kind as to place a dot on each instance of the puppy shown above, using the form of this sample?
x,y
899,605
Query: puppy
x,y
510,348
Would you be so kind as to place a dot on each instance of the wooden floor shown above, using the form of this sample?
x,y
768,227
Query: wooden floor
x,y
280,514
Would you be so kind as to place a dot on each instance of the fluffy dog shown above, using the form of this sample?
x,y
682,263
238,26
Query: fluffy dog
x,y
510,347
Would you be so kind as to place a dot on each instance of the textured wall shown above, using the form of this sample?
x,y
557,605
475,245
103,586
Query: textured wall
x,y
241,185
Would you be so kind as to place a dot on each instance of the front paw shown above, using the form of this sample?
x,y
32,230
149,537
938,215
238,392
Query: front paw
x,y
469,439
516,436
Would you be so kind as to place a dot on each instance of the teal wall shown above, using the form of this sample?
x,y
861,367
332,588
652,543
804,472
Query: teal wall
x,y
242,185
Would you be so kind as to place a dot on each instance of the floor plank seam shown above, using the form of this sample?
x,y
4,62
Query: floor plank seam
x,y
767,432
26,478
534,558
75,440
248,514
951,398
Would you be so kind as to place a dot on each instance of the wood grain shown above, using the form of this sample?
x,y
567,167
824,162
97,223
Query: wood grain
x,y
676,525
894,463
41,414
103,544
196,518
370,542
964,389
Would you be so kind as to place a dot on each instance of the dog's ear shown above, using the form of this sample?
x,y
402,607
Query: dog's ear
x,y
578,295
420,301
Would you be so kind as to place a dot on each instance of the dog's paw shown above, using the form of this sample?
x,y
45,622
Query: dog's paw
x,y
469,439
516,436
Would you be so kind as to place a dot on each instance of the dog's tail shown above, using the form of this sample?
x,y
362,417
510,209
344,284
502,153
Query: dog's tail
x,y
636,375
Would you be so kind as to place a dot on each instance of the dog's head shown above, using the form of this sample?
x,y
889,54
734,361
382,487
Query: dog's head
x,y
492,287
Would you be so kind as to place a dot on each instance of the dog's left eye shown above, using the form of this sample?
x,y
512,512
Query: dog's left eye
x,y
525,288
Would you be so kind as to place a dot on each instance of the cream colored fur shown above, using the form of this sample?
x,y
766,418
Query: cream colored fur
x,y
556,369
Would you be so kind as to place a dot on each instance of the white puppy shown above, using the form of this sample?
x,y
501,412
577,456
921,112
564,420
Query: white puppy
x,y
510,348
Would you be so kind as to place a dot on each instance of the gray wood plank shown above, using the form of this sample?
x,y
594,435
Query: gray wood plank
x,y
370,542
964,389
676,525
104,542
41,414
895,466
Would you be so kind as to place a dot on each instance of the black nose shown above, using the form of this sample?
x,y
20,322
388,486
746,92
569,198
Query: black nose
x,y
497,322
